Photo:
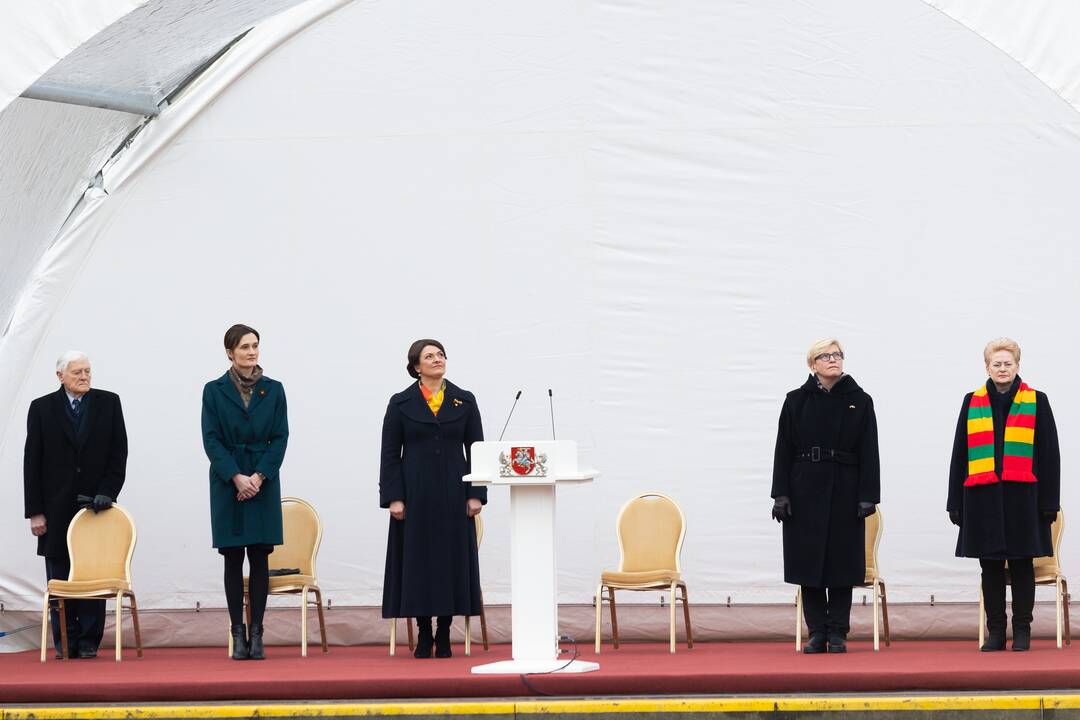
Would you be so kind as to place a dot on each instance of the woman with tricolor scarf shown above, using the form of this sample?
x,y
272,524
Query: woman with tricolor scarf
x,y
1004,485
826,481
432,567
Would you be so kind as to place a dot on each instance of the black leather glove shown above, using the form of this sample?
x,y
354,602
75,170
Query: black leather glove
x,y
781,509
1049,515
954,517
866,509
101,502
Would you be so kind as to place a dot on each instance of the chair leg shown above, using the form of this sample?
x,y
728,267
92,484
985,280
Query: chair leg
x,y
614,618
303,621
686,619
135,624
982,619
44,625
119,622
1065,609
468,636
63,631
408,626
393,637
798,620
599,611
1058,610
671,619
322,622
483,622
884,611
877,631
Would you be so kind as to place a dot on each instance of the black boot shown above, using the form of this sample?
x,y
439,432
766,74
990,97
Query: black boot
x,y
424,638
993,588
1023,602
239,642
837,643
256,652
1021,637
816,644
442,638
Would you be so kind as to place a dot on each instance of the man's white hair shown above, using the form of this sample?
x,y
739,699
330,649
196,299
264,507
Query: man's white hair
x,y
69,357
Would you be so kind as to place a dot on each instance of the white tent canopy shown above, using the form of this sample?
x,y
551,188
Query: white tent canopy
x,y
650,208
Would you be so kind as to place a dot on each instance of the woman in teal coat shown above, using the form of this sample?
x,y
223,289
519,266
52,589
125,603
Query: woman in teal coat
x,y
245,430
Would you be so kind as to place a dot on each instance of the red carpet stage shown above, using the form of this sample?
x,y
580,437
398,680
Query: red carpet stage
x,y
358,673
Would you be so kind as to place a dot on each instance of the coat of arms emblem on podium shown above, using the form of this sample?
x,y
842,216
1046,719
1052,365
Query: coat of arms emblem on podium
x,y
523,461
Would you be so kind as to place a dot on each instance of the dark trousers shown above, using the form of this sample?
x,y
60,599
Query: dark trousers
x,y
85,618
827,610
1022,577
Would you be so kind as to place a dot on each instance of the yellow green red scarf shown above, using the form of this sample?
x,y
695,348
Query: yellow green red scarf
x,y
1019,439
434,400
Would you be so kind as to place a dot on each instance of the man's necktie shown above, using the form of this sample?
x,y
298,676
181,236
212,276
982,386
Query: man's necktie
x,y
76,406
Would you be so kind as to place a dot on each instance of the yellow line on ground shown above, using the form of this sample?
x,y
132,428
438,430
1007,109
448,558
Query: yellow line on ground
x,y
550,707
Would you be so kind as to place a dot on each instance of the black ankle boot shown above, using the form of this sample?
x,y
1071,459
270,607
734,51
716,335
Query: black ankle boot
x,y
815,645
424,639
995,640
1021,637
837,643
256,652
442,639
239,642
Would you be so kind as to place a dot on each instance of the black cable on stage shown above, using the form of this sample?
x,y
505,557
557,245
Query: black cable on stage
x,y
574,655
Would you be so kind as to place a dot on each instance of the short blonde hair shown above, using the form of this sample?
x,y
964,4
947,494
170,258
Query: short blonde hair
x,y
1001,343
819,347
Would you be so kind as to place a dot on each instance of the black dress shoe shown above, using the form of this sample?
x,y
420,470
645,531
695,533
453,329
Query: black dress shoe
x,y
87,653
815,645
239,642
995,641
837,644
1021,638
255,644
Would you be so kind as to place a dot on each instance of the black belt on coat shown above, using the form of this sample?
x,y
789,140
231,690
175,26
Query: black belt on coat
x,y
818,454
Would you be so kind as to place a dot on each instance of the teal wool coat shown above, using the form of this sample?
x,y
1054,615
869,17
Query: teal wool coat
x,y
244,441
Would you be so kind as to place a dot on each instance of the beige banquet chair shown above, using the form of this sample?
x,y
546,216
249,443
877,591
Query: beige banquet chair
x,y
651,528
468,626
1047,572
100,546
874,526
301,535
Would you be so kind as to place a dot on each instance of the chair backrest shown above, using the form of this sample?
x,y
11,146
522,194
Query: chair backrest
x,y
101,544
872,537
1045,566
651,528
302,535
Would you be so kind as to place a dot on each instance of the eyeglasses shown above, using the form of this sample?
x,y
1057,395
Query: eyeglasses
x,y
1002,365
828,357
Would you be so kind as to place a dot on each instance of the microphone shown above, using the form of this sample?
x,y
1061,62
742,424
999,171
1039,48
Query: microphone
x,y
551,404
510,414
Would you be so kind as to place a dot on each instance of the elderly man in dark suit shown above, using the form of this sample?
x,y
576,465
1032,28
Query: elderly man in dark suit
x,y
76,444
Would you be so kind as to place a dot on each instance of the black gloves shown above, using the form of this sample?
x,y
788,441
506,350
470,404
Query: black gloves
x,y
954,517
1049,515
866,509
781,509
101,502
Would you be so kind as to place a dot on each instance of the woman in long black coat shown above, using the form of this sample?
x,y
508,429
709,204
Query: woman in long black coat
x,y
1003,503
432,567
245,429
826,481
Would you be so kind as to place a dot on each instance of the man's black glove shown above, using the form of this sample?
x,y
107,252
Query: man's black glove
x,y
101,502
954,517
781,509
867,509
1049,515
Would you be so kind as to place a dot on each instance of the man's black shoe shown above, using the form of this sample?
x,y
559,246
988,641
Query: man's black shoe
x,y
837,644
87,653
815,645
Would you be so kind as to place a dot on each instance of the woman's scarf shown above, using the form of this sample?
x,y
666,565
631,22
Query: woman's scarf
x,y
434,400
1019,439
245,385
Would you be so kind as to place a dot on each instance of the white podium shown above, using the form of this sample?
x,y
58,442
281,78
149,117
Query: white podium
x,y
533,470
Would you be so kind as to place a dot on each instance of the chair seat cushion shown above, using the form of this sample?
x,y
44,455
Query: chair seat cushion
x,y
647,578
79,587
279,583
